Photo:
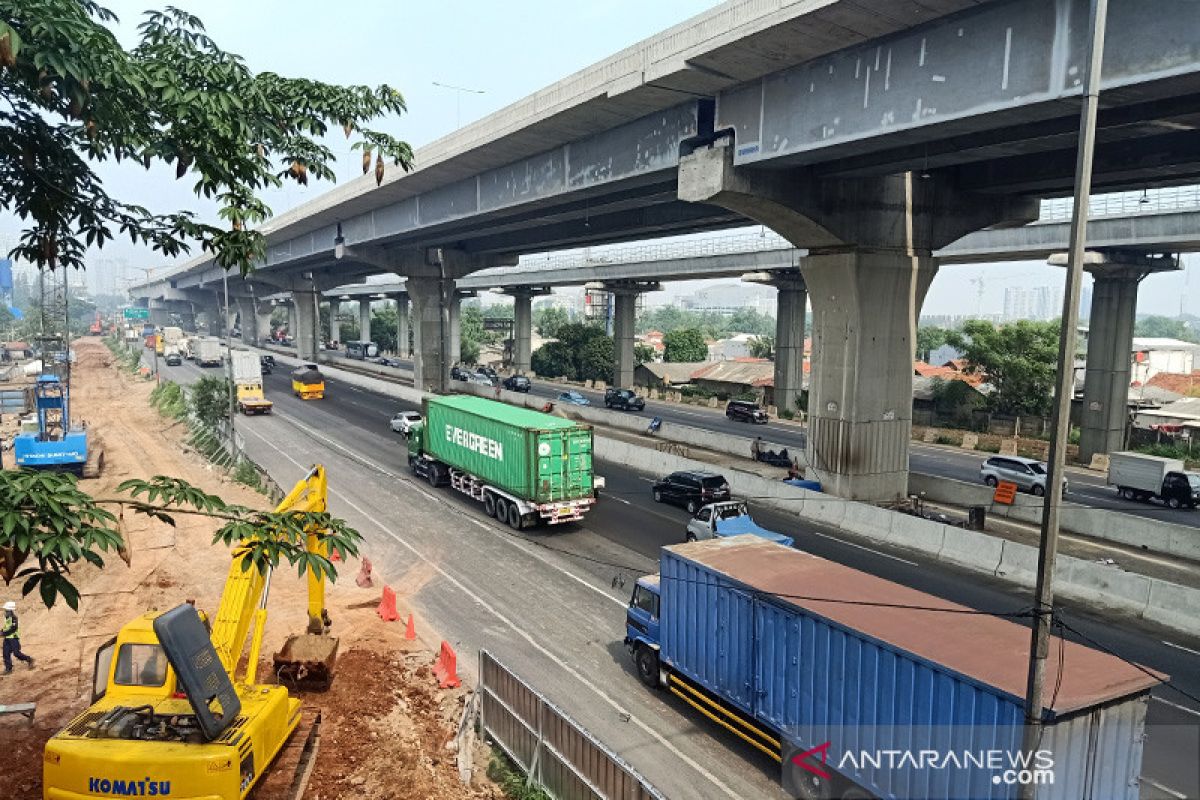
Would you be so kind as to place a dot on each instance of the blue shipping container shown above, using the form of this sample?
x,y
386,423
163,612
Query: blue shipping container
x,y
819,653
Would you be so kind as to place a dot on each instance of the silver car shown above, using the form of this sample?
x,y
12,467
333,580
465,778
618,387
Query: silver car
x,y
1028,474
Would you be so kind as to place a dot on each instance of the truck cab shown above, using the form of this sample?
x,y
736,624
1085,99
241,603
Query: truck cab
x,y
729,518
641,629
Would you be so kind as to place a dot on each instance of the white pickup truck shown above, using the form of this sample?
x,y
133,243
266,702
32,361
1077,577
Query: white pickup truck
x,y
729,518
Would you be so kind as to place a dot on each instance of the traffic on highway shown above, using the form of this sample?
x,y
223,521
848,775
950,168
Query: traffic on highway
x,y
633,521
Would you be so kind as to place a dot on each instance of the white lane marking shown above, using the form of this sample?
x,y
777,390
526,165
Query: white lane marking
x,y
1181,647
520,631
515,541
863,547
1162,788
1176,706
618,499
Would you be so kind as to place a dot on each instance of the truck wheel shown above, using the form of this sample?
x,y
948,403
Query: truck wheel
x,y
647,666
1126,493
432,476
489,504
1173,502
810,786
514,517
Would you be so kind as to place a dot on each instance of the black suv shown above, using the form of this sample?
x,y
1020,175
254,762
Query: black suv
x,y
745,411
691,489
517,383
267,364
623,400
457,373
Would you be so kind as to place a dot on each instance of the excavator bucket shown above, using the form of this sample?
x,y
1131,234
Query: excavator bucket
x,y
306,661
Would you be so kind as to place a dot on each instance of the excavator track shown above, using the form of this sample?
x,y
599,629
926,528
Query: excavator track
x,y
95,463
287,777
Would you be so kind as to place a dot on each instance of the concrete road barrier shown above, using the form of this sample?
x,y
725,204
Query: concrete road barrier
x,y
1151,535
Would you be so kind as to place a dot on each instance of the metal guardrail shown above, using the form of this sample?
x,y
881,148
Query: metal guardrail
x,y
1126,204
553,750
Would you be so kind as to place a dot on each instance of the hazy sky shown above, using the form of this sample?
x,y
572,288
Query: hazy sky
x,y
507,50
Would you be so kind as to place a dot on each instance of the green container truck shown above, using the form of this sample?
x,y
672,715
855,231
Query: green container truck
x,y
525,467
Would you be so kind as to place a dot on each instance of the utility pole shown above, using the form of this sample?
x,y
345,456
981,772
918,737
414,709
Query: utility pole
x,y
1048,549
229,369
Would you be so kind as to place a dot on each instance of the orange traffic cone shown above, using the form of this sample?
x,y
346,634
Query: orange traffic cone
x,y
363,579
410,630
445,669
387,606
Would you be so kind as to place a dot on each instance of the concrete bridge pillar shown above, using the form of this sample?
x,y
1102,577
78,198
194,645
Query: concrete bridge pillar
x,y
869,264
246,319
1104,416
160,314
431,301
625,297
364,319
335,324
262,322
307,333
293,323
791,307
522,351
403,350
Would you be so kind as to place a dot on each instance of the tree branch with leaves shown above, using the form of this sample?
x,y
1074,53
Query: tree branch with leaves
x,y
48,525
71,97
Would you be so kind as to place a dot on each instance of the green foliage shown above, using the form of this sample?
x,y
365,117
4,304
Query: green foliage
x,y
1017,359
953,396
644,353
549,320
582,352
247,475
46,518
554,360
762,347
169,398
596,359
1165,328
74,96
710,323
384,323
471,335
930,338
685,345
209,400
512,781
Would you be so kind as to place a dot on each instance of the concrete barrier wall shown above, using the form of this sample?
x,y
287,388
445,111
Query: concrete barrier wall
x,y
1090,584
1155,536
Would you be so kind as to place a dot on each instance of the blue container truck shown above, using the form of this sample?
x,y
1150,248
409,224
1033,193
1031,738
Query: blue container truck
x,y
860,687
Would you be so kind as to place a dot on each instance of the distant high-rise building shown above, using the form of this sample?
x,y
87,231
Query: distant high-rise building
x,y
1034,302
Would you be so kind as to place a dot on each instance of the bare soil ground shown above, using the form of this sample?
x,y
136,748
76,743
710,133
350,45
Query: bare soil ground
x,y
386,725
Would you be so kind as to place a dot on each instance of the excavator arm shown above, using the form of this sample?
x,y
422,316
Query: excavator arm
x,y
244,599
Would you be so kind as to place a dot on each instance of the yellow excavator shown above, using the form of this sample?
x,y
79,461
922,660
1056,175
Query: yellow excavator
x,y
175,713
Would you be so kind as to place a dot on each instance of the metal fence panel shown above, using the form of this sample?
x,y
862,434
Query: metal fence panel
x,y
550,747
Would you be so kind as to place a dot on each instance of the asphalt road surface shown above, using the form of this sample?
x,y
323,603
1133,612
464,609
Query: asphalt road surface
x,y
568,630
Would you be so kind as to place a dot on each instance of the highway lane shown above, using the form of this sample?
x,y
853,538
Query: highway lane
x,y
1085,488
629,519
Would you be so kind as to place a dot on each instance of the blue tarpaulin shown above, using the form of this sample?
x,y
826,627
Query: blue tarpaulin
x,y
746,524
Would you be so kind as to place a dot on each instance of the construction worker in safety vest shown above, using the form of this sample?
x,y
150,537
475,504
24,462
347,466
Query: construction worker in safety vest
x,y
11,632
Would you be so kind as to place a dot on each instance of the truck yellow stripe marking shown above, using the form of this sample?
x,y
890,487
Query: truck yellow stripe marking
x,y
725,711
724,724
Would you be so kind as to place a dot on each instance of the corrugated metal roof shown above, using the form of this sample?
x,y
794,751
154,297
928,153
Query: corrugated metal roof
x,y
674,372
988,649
1186,409
503,412
747,371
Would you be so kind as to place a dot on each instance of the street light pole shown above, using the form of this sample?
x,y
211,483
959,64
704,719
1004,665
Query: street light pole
x,y
229,369
1048,549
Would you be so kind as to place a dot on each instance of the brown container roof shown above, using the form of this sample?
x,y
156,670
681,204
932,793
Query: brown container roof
x,y
986,648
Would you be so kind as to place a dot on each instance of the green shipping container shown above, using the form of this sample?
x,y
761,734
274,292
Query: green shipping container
x,y
534,456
